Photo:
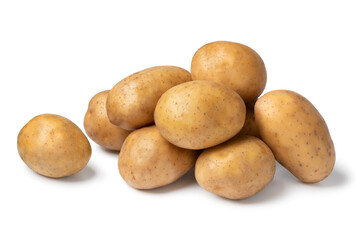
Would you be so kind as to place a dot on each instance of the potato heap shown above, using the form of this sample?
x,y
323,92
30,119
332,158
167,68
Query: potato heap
x,y
165,120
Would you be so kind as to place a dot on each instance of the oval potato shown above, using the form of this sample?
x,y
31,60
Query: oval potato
x,y
199,114
236,169
296,133
148,161
53,146
131,102
99,128
232,64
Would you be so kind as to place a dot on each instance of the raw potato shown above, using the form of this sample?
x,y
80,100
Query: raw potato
x,y
232,64
148,161
199,114
236,169
99,128
53,146
131,102
296,133
250,127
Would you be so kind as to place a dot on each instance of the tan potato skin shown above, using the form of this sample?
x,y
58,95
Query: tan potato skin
x,y
53,146
296,133
131,102
236,169
148,161
232,64
250,128
199,114
99,128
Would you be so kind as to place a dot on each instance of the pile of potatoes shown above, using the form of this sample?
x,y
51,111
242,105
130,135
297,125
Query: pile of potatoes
x,y
165,120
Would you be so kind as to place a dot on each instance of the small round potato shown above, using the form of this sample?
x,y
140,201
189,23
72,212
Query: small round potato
x,y
53,146
199,114
99,128
236,169
232,64
148,161
131,102
296,133
250,127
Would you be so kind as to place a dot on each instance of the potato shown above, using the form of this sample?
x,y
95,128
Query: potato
x,y
131,102
99,128
250,127
296,133
53,146
232,64
148,161
199,114
236,169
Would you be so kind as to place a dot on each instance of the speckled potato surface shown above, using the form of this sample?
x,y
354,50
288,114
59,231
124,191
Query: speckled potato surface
x,y
232,64
53,146
199,114
131,102
250,128
99,128
148,161
236,169
297,134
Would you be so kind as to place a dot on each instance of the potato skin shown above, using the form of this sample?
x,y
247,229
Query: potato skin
x,y
232,64
148,161
131,102
199,114
99,128
296,133
250,128
53,146
236,169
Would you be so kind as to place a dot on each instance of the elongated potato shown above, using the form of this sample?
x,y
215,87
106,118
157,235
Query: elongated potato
x,y
131,102
296,133
232,64
148,161
53,146
236,169
99,128
199,114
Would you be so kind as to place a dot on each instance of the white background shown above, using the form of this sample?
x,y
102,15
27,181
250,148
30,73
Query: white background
x,y
55,55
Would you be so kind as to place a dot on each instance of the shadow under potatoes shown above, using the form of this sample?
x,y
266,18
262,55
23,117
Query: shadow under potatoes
x,y
108,151
185,181
284,180
337,178
85,174
276,189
